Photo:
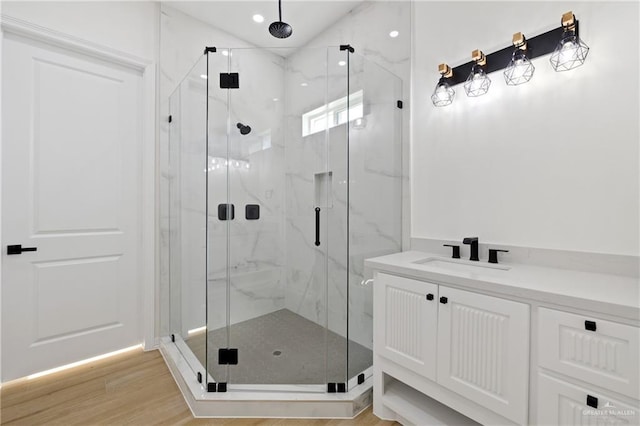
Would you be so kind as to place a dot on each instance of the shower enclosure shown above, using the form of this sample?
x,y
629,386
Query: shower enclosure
x,y
285,174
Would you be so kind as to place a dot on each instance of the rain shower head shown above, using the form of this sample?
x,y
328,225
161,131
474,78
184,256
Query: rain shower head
x,y
278,28
244,130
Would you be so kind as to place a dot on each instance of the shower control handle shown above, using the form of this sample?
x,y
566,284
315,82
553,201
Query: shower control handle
x,y
317,226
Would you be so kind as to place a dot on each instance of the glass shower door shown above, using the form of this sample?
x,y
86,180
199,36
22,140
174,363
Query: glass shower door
x,y
278,176
375,195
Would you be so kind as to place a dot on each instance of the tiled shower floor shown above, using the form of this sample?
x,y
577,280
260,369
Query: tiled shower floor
x,y
282,347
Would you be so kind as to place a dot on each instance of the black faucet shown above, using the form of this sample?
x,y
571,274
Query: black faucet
x,y
474,247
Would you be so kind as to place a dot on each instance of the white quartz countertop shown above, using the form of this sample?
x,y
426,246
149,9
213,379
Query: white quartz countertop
x,y
609,294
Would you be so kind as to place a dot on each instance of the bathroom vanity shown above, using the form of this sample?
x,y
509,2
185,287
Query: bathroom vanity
x,y
459,342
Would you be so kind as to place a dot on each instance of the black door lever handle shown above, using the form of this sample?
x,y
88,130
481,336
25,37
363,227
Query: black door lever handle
x,y
18,249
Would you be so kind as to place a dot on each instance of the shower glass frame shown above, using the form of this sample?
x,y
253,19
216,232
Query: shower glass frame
x,y
346,235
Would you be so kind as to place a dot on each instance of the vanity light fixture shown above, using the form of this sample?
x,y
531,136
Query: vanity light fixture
x,y
568,53
520,69
443,94
478,82
571,51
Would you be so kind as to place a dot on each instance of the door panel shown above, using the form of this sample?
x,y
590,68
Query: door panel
x,y
483,350
70,188
407,321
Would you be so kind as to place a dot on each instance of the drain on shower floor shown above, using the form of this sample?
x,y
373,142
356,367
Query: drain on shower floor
x,y
277,353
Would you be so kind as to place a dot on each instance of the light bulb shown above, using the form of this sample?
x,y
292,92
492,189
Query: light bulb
x,y
570,53
443,94
520,69
477,83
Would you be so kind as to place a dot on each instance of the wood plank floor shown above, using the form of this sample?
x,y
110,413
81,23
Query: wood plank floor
x,y
135,388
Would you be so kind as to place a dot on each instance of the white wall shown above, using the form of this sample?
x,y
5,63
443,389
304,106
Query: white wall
x,y
550,164
129,27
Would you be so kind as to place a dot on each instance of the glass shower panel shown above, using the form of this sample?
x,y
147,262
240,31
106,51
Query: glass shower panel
x,y
336,217
221,211
277,307
375,193
187,215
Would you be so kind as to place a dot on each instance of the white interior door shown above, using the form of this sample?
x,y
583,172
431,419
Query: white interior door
x,y
70,187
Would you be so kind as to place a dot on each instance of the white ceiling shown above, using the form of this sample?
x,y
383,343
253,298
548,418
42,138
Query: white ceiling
x,y
308,18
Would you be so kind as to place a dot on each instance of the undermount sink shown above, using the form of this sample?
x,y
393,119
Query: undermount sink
x,y
460,264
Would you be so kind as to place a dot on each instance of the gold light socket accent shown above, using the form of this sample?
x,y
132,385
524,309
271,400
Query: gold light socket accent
x,y
519,41
445,70
568,20
479,57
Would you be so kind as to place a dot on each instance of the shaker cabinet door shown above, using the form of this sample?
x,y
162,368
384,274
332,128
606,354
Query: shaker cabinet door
x,y
405,324
483,350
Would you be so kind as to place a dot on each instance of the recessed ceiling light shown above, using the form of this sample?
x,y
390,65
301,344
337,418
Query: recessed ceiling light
x,y
258,18
342,63
304,84
203,76
394,34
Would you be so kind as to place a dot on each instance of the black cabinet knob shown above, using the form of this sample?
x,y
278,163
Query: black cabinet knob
x,y
590,325
429,296
592,401
444,300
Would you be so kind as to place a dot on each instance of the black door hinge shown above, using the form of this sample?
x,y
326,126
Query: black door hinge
x,y
217,387
400,104
173,338
199,376
229,80
227,356
170,118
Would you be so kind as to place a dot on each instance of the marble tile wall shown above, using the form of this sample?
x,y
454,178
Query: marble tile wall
x,y
319,286
273,261
256,254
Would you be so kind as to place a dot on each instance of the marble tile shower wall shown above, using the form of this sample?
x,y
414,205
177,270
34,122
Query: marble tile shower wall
x,y
256,249
371,224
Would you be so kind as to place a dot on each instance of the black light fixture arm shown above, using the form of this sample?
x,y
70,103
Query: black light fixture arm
x,y
280,10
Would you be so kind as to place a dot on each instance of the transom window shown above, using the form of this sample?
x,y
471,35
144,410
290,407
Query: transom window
x,y
333,114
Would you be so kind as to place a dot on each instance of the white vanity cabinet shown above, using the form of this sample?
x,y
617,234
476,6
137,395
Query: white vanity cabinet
x,y
472,344
526,345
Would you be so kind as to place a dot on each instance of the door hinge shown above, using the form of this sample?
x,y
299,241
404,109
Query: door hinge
x,y
400,104
173,338
217,387
336,387
170,118
227,356
347,47
229,80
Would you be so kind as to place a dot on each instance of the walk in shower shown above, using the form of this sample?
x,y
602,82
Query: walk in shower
x,y
285,174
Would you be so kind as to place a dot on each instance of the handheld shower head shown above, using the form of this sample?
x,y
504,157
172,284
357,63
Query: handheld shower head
x,y
278,28
244,130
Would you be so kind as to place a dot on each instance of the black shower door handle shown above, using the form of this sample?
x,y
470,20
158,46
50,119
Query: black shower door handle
x,y
317,226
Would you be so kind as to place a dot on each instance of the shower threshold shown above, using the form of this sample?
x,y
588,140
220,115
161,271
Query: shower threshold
x,y
250,395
